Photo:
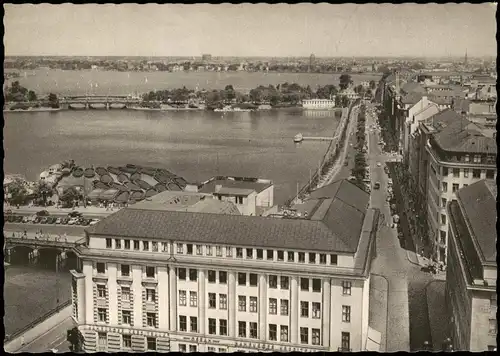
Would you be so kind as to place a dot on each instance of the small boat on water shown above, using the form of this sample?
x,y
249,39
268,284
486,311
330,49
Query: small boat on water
x,y
298,138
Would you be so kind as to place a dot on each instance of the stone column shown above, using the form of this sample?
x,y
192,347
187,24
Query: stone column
x,y
173,298
232,303
294,310
325,318
262,307
201,302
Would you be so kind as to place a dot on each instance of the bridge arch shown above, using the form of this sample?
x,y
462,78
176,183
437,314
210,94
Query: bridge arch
x,y
48,257
19,255
71,261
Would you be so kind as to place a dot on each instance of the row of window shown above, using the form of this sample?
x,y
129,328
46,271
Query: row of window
x,y
455,187
239,252
102,341
476,173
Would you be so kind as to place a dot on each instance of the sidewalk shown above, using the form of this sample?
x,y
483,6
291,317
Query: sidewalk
x,y
436,307
378,301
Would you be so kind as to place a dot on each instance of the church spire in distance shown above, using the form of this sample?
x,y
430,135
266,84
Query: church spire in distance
x,y
465,59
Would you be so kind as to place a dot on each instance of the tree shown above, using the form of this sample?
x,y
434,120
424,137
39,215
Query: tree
x,y
42,192
75,338
31,95
345,81
17,193
373,85
70,196
53,100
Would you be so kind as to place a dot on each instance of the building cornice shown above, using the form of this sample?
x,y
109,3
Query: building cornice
x,y
471,165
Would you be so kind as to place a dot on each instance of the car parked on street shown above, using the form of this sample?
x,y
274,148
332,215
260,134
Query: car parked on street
x,y
95,221
42,213
376,186
74,214
72,221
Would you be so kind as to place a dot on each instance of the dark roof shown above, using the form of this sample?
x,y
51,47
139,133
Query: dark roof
x,y
412,98
445,118
464,138
338,230
228,183
413,87
461,105
478,202
345,191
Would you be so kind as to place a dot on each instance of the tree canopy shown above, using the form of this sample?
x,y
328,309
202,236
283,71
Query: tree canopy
x,y
345,81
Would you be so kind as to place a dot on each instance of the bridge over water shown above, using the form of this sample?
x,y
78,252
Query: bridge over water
x,y
99,101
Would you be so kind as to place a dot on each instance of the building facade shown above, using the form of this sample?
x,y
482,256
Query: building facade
x,y
192,282
471,276
319,104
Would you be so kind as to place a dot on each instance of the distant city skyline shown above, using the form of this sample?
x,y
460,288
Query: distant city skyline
x,y
261,30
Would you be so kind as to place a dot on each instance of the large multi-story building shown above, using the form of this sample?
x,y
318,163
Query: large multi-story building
x,y
162,280
471,275
458,155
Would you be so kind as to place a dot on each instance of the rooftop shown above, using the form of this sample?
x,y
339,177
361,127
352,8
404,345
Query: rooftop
x,y
478,205
253,184
335,227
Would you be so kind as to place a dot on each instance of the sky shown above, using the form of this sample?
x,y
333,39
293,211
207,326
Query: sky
x,y
265,30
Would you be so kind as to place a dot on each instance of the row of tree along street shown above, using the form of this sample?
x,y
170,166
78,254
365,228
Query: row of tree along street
x,y
24,98
359,170
282,95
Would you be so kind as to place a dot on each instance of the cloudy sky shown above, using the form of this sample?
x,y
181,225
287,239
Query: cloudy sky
x,y
250,30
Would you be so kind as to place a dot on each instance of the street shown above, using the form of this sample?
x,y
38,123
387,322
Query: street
x,y
55,339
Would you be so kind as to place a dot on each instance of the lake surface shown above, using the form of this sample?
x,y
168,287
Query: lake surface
x,y
195,145
70,82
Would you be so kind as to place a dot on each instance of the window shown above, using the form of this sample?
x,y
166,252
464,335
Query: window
x,y
182,323
442,236
333,260
182,298
189,249
284,282
150,272
490,174
445,171
212,326
126,244
222,277
346,313
291,256
126,317
304,309
304,284
222,349
443,202
456,172
302,257
101,291
136,245
101,267
316,285
477,159
281,255
455,187
283,333
125,270
212,300
154,246
493,326
316,339
346,341
199,250
145,245
253,305
443,219
316,310
476,173
466,172
253,330
192,348
223,327
239,200
346,287
193,323
151,319
284,307
218,251
150,295
270,255
151,343
127,341
253,279
193,299
126,294
193,275
223,301
118,243
211,276
272,332
242,303
229,252
180,248
273,281
182,348
312,257
249,253
239,252
242,329
322,259
102,340
242,279
273,306
101,314
304,335
109,243
260,254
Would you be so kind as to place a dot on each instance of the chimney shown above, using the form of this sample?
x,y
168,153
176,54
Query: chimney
x,y
218,187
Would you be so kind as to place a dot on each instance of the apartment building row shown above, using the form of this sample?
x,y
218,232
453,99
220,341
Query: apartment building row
x,y
163,280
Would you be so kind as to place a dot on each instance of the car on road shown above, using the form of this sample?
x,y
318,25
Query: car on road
x,y
376,186
42,213
72,221
25,219
85,222
64,221
95,221
58,220
19,219
75,214
43,220
379,164
52,220
389,182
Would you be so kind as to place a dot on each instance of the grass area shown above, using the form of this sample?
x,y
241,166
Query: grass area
x,y
29,293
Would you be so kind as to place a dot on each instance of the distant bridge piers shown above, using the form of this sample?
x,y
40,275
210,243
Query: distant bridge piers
x,y
98,102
